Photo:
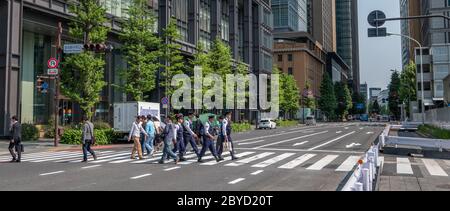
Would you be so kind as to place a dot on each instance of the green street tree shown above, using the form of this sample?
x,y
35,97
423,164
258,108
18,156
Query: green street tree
x,y
358,99
171,53
344,100
82,78
140,50
408,83
394,97
289,93
375,108
309,101
327,101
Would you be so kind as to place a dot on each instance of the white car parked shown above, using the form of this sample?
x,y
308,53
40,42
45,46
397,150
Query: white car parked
x,y
267,124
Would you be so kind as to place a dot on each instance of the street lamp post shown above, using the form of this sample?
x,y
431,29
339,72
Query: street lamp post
x,y
421,72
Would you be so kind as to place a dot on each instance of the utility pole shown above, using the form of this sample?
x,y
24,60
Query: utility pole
x,y
58,57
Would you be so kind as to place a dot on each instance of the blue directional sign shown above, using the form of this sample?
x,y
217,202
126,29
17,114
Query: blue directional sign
x,y
165,101
44,86
360,106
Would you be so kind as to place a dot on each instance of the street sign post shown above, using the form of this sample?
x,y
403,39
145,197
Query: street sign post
x,y
52,71
165,102
375,19
52,63
73,48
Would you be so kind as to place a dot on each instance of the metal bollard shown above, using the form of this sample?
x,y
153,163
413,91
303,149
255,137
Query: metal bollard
x,y
366,180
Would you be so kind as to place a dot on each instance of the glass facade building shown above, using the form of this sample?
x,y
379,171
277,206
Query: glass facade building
x,y
290,15
28,41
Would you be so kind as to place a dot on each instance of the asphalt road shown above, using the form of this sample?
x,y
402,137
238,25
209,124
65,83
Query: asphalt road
x,y
285,159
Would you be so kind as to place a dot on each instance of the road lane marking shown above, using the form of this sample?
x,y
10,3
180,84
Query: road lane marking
x,y
257,172
338,132
273,160
303,150
300,160
292,139
236,181
250,159
140,176
173,168
299,144
329,142
433,168
352,145
370,133
253,142
212,163
404,166
348,164
51,173
346,128
89,167
77,159
52,157
319,165
274,135
118,157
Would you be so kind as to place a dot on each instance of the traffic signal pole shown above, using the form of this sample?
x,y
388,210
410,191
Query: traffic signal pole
x,y
58,57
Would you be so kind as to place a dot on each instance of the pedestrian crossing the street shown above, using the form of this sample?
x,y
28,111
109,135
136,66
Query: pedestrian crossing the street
x,y
257,160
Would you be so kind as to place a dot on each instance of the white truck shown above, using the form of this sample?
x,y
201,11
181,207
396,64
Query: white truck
x,y
125,114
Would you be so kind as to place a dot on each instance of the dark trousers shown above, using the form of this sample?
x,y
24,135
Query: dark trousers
x,y
189,139
180,147
219,146
208,144
87,148
17,145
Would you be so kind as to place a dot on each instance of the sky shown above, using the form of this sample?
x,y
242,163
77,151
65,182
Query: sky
x,y
378,56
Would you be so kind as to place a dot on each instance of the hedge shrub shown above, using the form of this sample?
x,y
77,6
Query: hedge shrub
x,y
241,127
103,136
435,132
286,123
29,132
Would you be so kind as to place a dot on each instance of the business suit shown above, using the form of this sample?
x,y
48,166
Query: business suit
x,y
16,141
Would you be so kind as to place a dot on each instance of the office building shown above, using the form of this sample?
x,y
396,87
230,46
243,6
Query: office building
x,y
290,15
347,42
374,93
363,88
411,28
28,37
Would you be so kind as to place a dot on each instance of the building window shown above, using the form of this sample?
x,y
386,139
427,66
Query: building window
x,y
426,68
290,57
290,71
426,84
280,57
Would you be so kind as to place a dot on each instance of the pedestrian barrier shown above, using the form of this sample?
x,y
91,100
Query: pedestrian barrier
x,y
364,177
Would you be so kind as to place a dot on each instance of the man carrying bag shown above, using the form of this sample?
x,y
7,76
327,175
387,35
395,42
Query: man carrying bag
x,y
16,140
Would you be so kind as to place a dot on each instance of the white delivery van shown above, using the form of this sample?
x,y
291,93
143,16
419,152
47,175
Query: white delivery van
x,y
125,114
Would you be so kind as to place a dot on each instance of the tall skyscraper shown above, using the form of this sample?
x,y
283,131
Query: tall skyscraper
x,y
347,38
323,23
411,28
290,15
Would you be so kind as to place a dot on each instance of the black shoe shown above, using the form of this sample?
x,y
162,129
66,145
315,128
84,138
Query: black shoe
x,y
221,159
217,159
234,158
183,159
161,162
18,161
95,157
200,160
84,161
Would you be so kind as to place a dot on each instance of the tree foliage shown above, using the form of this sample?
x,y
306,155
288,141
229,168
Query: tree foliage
x,y
82,77
408,83
289,92
344,100
394,97
327,101
140,50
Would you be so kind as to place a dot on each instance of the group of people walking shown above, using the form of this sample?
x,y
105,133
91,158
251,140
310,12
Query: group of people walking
x,y
149,135
176,136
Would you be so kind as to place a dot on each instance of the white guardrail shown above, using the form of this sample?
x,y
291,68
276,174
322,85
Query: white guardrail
x,y
364,176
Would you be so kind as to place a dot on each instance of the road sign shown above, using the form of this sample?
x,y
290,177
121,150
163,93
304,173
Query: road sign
x,y
52,71
360,106
44,86
52,63
165,101
374,17
377,32
73,48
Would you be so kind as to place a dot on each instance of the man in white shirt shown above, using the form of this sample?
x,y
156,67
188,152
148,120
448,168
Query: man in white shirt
x,y
135,134
208,140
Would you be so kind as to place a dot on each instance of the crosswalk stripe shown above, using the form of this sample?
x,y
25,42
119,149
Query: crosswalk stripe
x,y
319,165
78,159
348,164
27,157
250,159
236,181
111,158
273,160
300,160
212,163
49,156
77,155
257,172
299,144
155,157
140,176
433,168
173,168
404,166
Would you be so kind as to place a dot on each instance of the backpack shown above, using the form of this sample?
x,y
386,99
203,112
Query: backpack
x,y
200,128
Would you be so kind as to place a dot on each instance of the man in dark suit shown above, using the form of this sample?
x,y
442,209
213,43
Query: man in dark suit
x,y
16,139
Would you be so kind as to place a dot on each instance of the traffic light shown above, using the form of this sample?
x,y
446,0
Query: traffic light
x,y
39,84
98,47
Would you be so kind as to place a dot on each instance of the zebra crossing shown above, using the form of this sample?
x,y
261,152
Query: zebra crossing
x,y
310,161
418,167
